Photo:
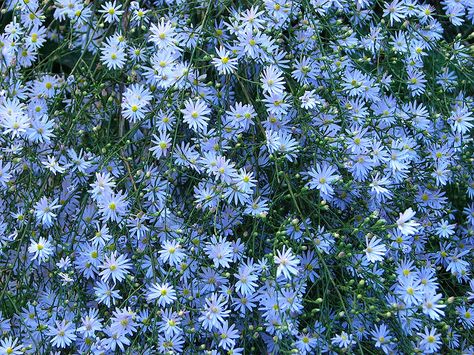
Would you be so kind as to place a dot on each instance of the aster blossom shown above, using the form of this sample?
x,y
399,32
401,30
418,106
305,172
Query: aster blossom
x,y
195,114
182,177
114,268
405,224
287,263
42,249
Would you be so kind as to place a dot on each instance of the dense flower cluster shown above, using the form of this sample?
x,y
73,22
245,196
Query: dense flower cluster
x,y
230,177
